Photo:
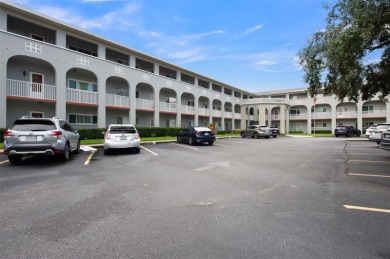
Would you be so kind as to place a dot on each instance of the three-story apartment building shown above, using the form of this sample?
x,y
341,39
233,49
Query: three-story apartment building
x,y
49,68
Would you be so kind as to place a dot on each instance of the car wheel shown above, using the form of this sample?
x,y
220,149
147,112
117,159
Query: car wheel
x,y
66,154
358,134
78,147
137,150
191,141
378,142
274,136
347,135
256,135
337,136
15,159
211,143
105,151
267,137
242,135
178,140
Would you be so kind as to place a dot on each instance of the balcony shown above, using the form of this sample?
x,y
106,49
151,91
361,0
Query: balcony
x,y
374,114
302,116
145,104
30,90
321,115
187,109
343,114
204,112
167,107
228,115
217,113
81,96
237,116
117,101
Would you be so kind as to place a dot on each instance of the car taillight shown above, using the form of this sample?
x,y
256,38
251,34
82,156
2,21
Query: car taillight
x,y
198,133
8,134
136,135
56,133
108,135
212,133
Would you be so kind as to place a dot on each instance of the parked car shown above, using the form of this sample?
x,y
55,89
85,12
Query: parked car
x,y
40,136
121,136
377,132
370,130
385,140
256,131
347,131
275,131
196,135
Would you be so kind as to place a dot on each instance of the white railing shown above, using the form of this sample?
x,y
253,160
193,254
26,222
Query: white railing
x,y
82,96
251,117
343,114
298,116
275,117
228,115
237,116
145,104
375,113
321,115
167,107
30,90
187,109
217,113
117,100
204,111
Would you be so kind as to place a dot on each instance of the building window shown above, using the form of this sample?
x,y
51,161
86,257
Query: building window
x,y
79,85
295,127
37,37
82,119
191,103
318,109
368,109
295,113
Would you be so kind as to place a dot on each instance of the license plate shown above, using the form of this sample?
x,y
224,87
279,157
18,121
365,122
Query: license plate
x,y
386,136
31,138
206,134
123,138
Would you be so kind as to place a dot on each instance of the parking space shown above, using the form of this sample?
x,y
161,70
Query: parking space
x,y
170,194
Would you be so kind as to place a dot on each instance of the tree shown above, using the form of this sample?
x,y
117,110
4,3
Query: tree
x,y
351,57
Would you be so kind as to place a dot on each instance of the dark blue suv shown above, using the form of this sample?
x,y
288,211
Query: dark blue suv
x,y
347,131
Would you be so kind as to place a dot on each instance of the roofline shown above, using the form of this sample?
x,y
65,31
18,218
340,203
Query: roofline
x,y
47,19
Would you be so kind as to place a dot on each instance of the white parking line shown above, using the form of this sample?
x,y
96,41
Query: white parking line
x,y
149,150
4,162
370,161
370,175
220,145
231,141
366,208
185,146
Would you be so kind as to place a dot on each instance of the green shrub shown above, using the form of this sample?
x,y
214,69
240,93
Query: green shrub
x,y
143,132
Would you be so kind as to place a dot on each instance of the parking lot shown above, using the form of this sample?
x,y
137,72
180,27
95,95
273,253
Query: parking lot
x,y
240,198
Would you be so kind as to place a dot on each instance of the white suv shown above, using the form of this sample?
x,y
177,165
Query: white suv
x,y
40,136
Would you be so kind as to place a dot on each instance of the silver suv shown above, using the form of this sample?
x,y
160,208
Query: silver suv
x,y
256,131
40,136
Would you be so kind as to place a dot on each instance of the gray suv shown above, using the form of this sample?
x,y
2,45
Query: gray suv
x,y
40,136
256,131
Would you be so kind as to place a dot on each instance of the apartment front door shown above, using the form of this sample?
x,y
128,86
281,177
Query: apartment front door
x,y
36,89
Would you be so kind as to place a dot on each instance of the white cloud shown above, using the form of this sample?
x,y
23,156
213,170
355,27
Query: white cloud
x,y
256,28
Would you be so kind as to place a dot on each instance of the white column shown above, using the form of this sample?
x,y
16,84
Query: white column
x,y
308,107
3,95
61,92
178,110
360,115
101,110
261,114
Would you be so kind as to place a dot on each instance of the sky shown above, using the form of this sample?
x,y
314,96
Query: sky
x,y
249,44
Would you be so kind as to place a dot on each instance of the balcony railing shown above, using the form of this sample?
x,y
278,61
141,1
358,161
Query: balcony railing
x,y
117,100
343,114
375,113
228,115
321,115
204,111
30,90
82,96
187,109
217,113
237,116
145,104
301,116
167,107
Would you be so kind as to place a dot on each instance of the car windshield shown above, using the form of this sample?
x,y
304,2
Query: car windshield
x,y
202,129
381,127
122,130
33,125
